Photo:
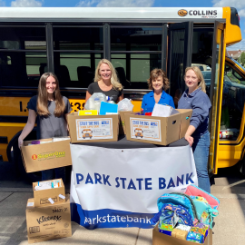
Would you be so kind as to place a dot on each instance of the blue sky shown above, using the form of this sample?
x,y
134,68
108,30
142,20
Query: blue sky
x,y
238,4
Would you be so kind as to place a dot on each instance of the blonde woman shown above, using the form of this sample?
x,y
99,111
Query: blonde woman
x,y
197,134
106,82
50,109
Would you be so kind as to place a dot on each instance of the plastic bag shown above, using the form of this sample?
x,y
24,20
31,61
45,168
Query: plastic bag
x,y
125,105
94,101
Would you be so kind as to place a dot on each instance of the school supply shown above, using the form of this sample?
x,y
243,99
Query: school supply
x,y
193,190
165,228
93,103
45,185
180,234
175,214
195,237
87,112
163,110
125,105
107,108
177,199
205,212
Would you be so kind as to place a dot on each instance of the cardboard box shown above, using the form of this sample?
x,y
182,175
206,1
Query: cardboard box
x,y
159,238
46,156
185,121
48,223
157,130
41,196
122,129
102,128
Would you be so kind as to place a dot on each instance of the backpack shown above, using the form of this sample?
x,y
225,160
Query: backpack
x,y
205,212
176,199
173,214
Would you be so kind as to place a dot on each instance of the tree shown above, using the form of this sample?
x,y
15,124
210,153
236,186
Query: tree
x,y
242,59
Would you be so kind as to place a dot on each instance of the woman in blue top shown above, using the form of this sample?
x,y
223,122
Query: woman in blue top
x,y
158,82
197,134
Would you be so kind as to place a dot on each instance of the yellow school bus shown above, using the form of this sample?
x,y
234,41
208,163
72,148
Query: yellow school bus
x,y
71,41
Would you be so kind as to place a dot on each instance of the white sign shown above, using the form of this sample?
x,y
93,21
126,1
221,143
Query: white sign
x,y
93,129
120,188
145,129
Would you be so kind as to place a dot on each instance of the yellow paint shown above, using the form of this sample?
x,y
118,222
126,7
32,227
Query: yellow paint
x,y
233,32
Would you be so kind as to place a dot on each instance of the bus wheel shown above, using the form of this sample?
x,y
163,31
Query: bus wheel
x,y
241,167
14,155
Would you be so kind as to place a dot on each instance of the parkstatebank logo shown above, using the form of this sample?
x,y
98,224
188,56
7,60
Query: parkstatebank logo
x,y
198,13
50,155
116,219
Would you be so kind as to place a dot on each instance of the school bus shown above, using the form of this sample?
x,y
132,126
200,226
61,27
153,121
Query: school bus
x,y
71,41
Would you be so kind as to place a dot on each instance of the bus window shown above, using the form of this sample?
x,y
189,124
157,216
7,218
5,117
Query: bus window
x,y
232,104
138,72
20,69
136,39
19,38
73,66
135,52
78,38
74,69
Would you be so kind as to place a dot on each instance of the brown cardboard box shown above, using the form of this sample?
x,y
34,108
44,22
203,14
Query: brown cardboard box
x,y
102,128
46,156
41,196
159,238
185,121
157,130
122,129
48,223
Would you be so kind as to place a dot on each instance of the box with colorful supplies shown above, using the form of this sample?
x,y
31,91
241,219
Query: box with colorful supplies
x,y
44,154
48,192
180,220
177,237
101,128
49,222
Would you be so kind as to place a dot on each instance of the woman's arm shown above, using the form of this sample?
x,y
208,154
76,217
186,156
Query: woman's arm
x,y
28,127
120,97
191,129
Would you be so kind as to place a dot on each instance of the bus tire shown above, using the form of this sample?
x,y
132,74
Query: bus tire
x,y
15,157
241,167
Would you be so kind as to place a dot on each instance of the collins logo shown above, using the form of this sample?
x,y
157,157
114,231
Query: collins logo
x,y
182,12
34,157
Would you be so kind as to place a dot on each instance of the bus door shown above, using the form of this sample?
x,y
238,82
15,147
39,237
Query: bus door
x,y
179,56
183,52
218,60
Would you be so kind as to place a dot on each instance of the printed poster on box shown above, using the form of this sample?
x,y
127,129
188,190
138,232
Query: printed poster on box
x,y
96,128
145,129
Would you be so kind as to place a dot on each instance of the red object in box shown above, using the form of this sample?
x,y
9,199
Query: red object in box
x,y
148,113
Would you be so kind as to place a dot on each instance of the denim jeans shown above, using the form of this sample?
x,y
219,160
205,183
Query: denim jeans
x,y
56,173
201,152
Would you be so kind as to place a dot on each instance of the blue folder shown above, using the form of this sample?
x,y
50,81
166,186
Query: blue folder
x,y
108,108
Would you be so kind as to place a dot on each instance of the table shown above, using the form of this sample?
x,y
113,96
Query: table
x,y
117,184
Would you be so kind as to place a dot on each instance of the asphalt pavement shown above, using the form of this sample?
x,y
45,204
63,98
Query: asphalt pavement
x,y
229,227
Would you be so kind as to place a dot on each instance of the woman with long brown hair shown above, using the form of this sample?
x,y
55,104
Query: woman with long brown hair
x,y
49,108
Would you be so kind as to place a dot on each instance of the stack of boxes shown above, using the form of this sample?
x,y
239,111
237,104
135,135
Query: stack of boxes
x,y
48,214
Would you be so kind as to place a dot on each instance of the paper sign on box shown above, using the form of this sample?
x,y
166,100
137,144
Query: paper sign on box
x,y
93,128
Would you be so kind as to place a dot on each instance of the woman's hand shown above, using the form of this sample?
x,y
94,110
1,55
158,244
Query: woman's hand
x,y
20,142
189,139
